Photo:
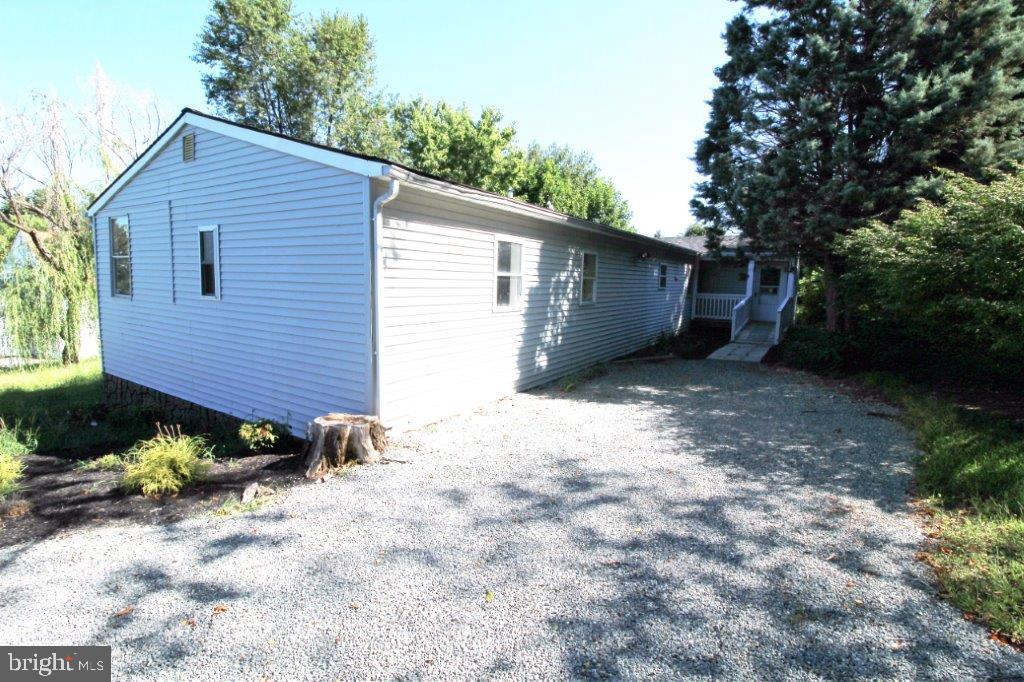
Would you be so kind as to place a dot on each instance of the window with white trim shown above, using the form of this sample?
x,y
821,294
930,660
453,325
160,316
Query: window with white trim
x,y
120,256
508,272
662,276
588,287
209,260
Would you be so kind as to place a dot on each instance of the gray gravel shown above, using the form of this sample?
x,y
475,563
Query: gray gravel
x,y
680,519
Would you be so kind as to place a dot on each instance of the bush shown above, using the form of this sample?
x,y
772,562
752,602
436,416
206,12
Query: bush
x,y
166,463
815,349
946,280
262,435
13,447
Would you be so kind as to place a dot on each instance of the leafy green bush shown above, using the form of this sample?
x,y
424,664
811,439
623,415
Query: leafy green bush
x,y
814,349
261,436
945,281
166,463
14,445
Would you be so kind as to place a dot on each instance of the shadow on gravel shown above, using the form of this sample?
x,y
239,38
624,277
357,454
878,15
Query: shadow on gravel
x,y
696,589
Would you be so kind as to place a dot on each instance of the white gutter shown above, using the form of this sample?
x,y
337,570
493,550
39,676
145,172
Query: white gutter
x,y
378,270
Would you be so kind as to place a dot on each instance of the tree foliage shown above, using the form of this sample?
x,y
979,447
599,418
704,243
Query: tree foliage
x,y
831,114
946,277
312,78
49,295
276,70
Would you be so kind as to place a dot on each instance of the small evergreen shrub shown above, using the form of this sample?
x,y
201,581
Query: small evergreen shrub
x,y
166,463
814,349
262,435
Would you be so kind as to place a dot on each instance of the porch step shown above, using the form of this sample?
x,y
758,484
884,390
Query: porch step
x,y
741,352
756,332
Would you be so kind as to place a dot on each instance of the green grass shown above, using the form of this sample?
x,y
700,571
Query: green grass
x,y
63,406
971,475
233,506
108,462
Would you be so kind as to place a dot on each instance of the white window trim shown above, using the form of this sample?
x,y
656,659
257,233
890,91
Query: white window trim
x,y
131,270
216,261
494,275
596,277
668,271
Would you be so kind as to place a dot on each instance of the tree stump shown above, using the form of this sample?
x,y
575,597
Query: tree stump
x,y
335,439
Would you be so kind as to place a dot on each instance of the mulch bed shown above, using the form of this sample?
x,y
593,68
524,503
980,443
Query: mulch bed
x,y
57,497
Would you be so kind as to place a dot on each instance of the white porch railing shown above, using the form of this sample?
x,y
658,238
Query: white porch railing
x,y
715,306
784,317
740,316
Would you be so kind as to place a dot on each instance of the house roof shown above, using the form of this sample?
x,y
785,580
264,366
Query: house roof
x,y
698,243
362,164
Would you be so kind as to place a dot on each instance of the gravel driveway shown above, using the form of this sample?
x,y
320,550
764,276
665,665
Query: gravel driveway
x,y
678,519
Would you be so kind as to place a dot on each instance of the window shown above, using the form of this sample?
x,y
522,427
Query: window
x,y
188,147
509,274
120,257
770,278
662,276
588,290
209,261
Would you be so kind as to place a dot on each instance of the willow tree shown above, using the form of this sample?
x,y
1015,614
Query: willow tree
x,y
47,152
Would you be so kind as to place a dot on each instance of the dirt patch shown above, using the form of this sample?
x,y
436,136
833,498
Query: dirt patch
x,y
58,497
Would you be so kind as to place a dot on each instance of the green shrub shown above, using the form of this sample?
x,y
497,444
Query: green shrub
x,y
166,463
943,286
262,435
14,445
108,462
814,349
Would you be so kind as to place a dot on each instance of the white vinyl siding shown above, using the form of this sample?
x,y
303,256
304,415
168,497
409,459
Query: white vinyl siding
x,y
289,337
444,350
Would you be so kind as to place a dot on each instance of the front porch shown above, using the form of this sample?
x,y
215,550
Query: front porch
x,y
755,298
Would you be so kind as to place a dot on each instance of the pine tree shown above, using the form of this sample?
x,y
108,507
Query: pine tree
x,y
831,114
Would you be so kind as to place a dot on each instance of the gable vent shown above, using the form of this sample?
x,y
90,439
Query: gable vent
x,y
188,147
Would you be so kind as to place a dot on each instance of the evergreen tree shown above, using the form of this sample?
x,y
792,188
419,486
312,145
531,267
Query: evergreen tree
x,y
830,114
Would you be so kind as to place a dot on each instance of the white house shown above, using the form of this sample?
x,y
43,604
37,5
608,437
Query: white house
x,y
260,276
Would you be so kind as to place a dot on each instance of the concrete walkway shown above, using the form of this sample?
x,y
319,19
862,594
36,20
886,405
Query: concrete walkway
x,y
751,344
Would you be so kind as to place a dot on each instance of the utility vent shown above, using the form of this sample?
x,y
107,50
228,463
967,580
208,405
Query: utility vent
x,y
188,147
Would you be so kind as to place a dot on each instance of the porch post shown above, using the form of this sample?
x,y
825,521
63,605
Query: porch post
x,y
696,278
750,278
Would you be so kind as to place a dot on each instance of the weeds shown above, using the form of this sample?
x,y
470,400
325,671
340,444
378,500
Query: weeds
x,y
14,445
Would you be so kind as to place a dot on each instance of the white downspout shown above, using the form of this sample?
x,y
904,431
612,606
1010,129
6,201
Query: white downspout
x,y
378,270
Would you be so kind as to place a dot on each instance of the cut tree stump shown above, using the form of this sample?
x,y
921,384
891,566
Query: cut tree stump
x,y
335,439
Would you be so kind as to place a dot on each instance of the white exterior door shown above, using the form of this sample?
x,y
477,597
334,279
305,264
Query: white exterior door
x,y
768,291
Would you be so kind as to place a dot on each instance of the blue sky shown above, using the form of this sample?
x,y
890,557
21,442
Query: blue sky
x,y
626,81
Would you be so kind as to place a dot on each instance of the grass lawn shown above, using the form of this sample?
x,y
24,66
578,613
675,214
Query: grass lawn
x,y
971,476
62,406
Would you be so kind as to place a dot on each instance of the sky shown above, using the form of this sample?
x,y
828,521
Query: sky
x,y
627,82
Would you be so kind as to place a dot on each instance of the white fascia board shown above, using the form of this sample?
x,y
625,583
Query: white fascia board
x,y
499,202
327,157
